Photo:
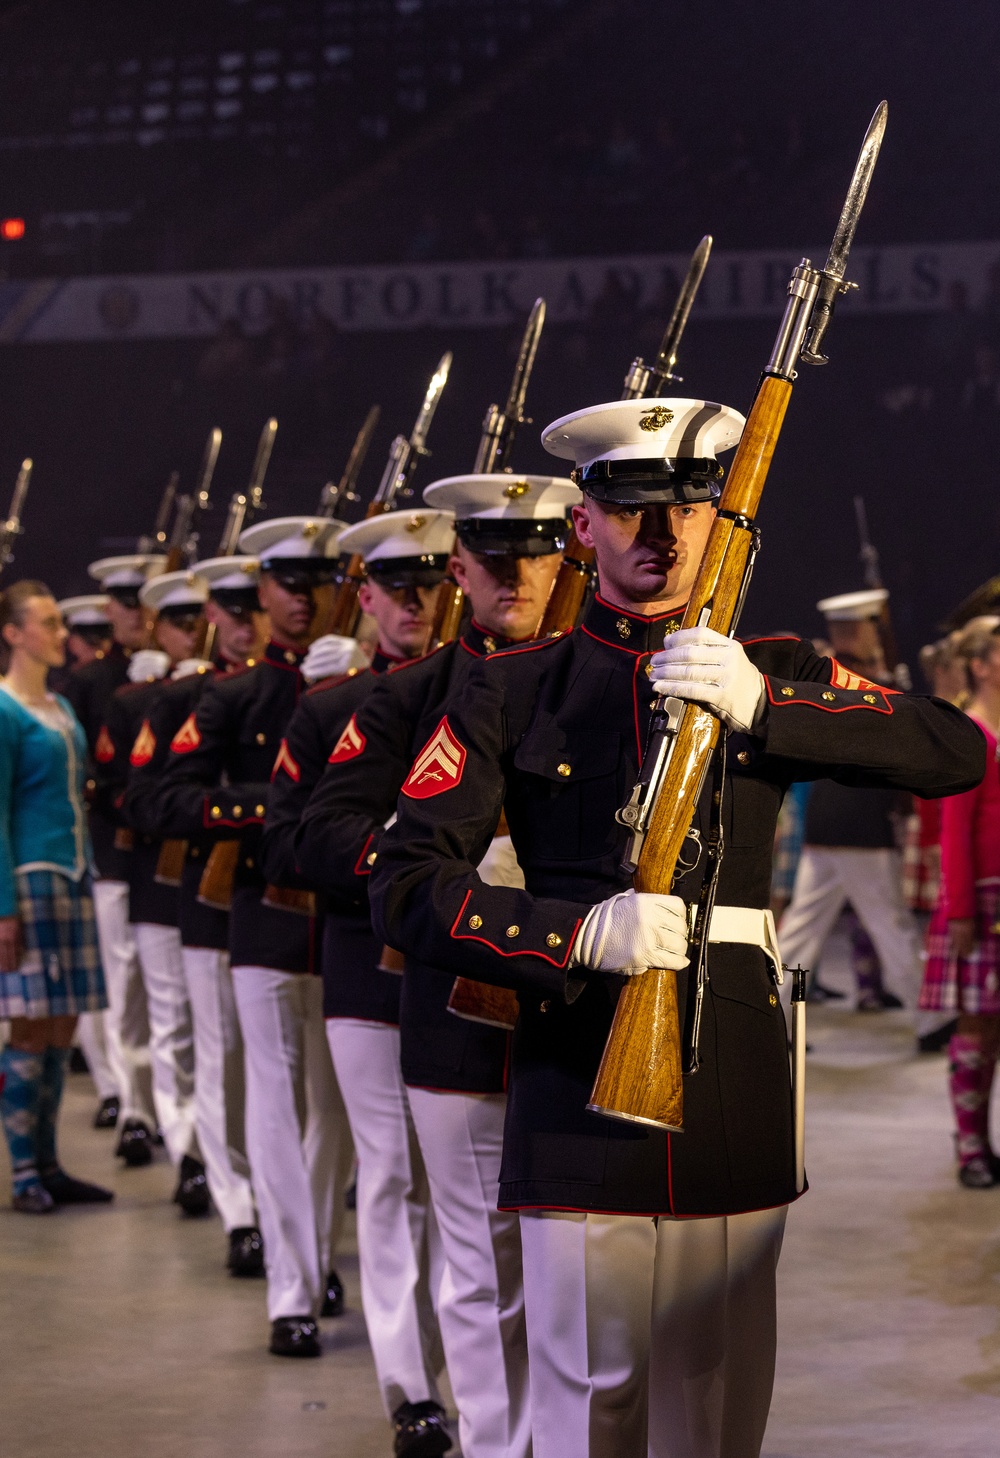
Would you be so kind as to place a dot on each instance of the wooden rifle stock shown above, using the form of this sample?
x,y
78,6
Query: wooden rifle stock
x,y
640,1077
170,862
289,898
215,888
562,610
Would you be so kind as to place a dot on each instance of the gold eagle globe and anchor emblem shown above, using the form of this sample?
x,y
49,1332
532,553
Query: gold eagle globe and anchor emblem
x,y
516,489
656,418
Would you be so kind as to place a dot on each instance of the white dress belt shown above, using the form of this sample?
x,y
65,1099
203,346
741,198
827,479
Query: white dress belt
x,y
749,926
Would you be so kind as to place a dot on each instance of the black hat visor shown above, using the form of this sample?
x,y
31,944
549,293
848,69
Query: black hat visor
x,y
394,573
513,536
238,602
300,574
681,480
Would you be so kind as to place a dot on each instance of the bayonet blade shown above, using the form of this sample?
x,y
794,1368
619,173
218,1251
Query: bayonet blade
x,y
265,446
334,497
666,360
501,426
438,380
20,492
207,470
836,263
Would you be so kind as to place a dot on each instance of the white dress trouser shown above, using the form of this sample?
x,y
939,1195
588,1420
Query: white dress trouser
x,y
92,1040
126,1023
650,1337
871,880
298,1138
171,1036
219,1086
481,1301
396,1227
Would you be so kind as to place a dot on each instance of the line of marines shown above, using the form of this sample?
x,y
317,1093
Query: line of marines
x,y
395,819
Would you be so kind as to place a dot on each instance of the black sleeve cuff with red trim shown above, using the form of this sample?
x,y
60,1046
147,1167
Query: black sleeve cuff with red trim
x,y
803,693
531,937
369,853
232,807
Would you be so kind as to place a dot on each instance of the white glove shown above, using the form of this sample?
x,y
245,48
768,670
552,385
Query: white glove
x,y
332,656
631,932
713,671
148,663
189,666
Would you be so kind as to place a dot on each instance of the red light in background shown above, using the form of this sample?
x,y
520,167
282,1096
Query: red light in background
x,y
11,229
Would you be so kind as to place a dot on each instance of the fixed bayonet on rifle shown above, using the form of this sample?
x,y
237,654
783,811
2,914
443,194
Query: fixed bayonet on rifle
x,y
501,426
243,504
651,380
405,453
336,495
640,1077
158,540
872,572
207,471
11,528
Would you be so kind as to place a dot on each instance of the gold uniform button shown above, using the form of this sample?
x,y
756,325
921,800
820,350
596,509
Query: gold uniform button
x,y
216,812
772,999
869,698
249,863
475,922
371,859
544,1006
744,756
553,940
514,931
195,853
829,697
258,809
649,670
237,811
261,738
564,769
788,692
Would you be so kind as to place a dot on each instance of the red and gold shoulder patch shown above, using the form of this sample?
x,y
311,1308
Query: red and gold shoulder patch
x,y
286,761
843,678
144,747
187,738
104,749
350,744
438,766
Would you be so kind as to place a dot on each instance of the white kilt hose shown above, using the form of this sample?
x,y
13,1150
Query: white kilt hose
x,y
171,1036
481,1302
298,1137
219,1085
398,1242
126,1021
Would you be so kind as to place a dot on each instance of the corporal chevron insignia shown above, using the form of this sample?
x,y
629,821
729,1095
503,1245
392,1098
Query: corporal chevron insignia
x,y
350,744
144,747
104,749
286,761
188,737
843,678
438,766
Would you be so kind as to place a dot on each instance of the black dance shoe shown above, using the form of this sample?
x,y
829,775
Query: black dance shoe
x,y
246,1252
34,1199
192,1188
136,1144
295,1336
65,1190
420,1430
333,1301
935,1041
107,1113
977,1174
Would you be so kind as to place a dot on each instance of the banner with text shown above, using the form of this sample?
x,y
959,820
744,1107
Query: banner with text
x,y
900,278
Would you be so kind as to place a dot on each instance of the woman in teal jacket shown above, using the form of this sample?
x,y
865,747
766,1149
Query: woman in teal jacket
x,y
50,968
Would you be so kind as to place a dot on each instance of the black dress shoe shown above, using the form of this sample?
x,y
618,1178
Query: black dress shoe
x,y
246,1252
107,1113
65,1190
420,1430
77,1061
333,1301
192,1188
295,1336
940,1038
135,1145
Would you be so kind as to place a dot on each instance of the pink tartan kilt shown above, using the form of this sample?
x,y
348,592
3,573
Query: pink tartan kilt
x,y
952,984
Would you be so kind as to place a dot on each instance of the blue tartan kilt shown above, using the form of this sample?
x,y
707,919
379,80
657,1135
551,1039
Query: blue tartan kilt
x,y
60,972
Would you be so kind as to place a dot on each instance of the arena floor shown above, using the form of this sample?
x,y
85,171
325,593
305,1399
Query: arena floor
x,y
121,1335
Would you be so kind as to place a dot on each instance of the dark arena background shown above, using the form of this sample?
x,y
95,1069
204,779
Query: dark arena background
x,y
279,140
